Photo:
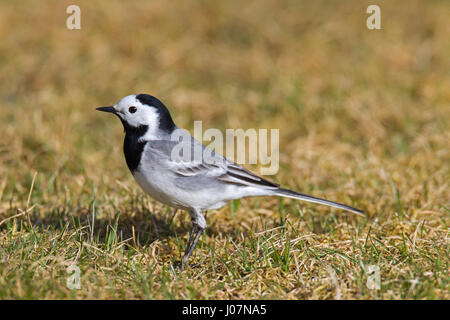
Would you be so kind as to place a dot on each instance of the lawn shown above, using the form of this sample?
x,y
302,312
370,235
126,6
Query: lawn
x,y
364,120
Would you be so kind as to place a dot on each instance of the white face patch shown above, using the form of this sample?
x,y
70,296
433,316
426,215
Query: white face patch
x,y
143,115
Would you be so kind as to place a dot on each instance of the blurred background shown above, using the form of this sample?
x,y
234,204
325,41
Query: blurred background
x,y
363,114
351,103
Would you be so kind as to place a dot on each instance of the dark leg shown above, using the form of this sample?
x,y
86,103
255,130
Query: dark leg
x,y
191,236
193,239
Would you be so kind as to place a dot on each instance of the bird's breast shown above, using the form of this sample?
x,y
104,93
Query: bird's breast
x,y
133,149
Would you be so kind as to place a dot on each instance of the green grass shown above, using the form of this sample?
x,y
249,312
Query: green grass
x,y
363,118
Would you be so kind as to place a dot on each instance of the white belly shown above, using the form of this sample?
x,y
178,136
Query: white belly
x,y
158,188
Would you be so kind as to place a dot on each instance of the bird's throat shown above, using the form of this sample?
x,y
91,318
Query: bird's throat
x,y
132,146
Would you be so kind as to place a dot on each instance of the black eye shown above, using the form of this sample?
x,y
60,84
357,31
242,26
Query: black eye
x,y
132,109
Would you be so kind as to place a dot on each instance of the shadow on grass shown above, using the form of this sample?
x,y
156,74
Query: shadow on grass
x,y
141,227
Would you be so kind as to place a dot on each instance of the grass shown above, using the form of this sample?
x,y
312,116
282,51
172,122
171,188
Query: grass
x,y
363,118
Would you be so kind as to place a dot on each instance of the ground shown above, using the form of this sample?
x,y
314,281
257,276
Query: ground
x,y
363,118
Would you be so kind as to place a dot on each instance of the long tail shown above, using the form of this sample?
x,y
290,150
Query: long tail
x,y
300,196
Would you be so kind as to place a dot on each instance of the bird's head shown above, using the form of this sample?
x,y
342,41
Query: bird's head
x,y
143,111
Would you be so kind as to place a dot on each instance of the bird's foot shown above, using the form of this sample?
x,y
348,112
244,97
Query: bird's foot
x,y
179,265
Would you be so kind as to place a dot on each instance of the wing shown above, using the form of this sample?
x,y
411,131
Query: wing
x,y
209,165
236,174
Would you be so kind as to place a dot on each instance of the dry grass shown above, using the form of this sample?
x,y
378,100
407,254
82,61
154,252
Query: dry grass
x,y
364,119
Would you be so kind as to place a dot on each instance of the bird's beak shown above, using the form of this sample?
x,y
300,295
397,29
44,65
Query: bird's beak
x,y
107,109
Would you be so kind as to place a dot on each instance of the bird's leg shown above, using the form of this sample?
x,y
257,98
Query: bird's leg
x,y
191,236
198,225
193,239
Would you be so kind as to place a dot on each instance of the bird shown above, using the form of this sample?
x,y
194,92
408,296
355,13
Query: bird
x,y
177,177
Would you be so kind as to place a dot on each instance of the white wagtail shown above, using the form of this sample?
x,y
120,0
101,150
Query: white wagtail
x,y
193,184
